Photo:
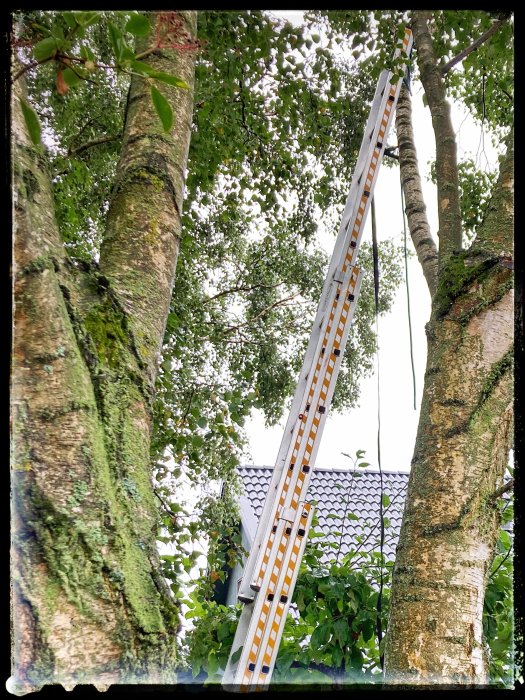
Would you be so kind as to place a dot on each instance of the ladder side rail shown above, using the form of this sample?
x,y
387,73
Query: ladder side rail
x,y
316,330
283,595
264,609
381,129
362,158
301,433
329,370
366,183
352,282
313,421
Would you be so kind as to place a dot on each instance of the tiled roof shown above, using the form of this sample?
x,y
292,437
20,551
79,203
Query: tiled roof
x,y
338,492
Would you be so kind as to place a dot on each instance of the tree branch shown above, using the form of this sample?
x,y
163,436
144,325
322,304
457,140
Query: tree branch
x,y
25,67
449,212
508,486
415,207
481,40
94,142
241,288
279,302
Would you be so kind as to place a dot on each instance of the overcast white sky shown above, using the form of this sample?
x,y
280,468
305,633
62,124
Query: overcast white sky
x,y
357,429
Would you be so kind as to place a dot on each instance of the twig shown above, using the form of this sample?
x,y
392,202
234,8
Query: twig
x,y
168,510
67,64
27,67
183,419
94,142
502,562
242,288
503,489
280,302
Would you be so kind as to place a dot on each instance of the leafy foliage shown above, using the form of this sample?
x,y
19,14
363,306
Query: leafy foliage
x,y
486,82
475,188
498,612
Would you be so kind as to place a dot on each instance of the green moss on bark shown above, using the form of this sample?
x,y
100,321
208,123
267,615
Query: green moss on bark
x,y
454,279
105,325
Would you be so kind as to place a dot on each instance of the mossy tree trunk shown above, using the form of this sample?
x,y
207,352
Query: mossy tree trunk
x,y
450,523
89,602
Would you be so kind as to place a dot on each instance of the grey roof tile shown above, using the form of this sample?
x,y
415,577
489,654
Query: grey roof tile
x,y
339,492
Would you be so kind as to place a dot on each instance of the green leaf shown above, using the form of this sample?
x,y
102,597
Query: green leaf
x,y
162,108
170,79
32,122
236,655
320,635
223,630
86,18
138,25
70,19
202,422
71,77
115,36
147,70
197,441
368,630
385,500
44,49
87,54
142,68
341,631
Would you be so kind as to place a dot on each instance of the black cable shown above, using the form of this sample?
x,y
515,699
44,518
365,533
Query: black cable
x,y
379,606
408,290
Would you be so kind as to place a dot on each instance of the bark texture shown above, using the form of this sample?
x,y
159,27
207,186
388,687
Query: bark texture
x,y
450,523
89,603
415,207
449,213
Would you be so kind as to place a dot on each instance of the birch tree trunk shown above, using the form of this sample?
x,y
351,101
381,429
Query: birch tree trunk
x,y
89,602
450,523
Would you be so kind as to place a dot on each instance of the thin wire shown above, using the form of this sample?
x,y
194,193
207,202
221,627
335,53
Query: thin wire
x,y
379,606
408,292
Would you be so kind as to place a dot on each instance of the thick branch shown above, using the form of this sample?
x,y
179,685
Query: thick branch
x,y
140,248
450,233
481,40
424,244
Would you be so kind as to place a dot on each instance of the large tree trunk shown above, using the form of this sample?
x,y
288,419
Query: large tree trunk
x,y
450,523
89,602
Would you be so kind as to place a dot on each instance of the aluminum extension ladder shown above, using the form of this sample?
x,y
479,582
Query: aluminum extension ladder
x,y
273,564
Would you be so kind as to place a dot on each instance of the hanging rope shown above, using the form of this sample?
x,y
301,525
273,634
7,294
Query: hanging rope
x,y
408,291
379,606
